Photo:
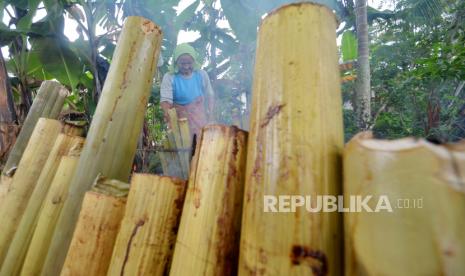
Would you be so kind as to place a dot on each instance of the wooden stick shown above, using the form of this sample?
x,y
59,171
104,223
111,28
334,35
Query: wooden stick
x,y
112,139
98,225
295,145
47,104
424,185
148,231
208,238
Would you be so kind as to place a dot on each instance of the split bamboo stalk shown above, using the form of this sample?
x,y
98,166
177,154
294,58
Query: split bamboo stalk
x,y
169,159
295,145
98,225
186,142
24,180
148,231
48,217
208,237
65,144
47,104
177,130
112,139
425,186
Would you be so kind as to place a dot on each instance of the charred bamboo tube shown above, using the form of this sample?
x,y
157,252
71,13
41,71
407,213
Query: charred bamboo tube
x,y
64,145
421,215
95,234
29,169
112,139
47,104
48,217
208,237
295,146
148,230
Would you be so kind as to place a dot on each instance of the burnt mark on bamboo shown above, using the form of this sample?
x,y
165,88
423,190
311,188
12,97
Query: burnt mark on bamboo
x,y
272,111
139,224
315,258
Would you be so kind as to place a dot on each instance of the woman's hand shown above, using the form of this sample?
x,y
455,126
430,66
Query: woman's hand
x,y
166,106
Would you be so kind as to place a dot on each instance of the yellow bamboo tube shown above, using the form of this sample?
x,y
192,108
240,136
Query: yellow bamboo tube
x,y
424,185
208,237
65,144
48,217
47,104
148,231
29,169
295,145
95,234
112,139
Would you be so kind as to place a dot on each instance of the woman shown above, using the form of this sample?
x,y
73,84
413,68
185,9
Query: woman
x,y
186,88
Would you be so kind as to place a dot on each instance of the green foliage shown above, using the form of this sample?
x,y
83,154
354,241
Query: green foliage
x,y
349,46
417,73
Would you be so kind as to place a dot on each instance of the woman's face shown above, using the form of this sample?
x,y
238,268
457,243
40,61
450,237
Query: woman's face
x,y
185,64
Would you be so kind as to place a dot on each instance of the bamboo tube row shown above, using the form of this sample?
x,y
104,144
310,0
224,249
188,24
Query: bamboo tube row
x,y
112,138
48,216
95,234
64,145
148,229
213,205
47,104
409,240
24,180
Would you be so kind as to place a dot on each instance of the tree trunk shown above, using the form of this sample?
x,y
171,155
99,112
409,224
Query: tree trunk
x,y
363,88
8,119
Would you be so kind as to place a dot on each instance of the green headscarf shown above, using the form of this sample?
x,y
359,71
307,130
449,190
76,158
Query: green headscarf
x,y
180,50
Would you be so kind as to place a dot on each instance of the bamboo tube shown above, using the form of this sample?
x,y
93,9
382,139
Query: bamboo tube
x,y
48,217
295,144
47,104
64,145
424,184
186,143
95,234
112,139
178,125
29,169
148,230
170,160
208,238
